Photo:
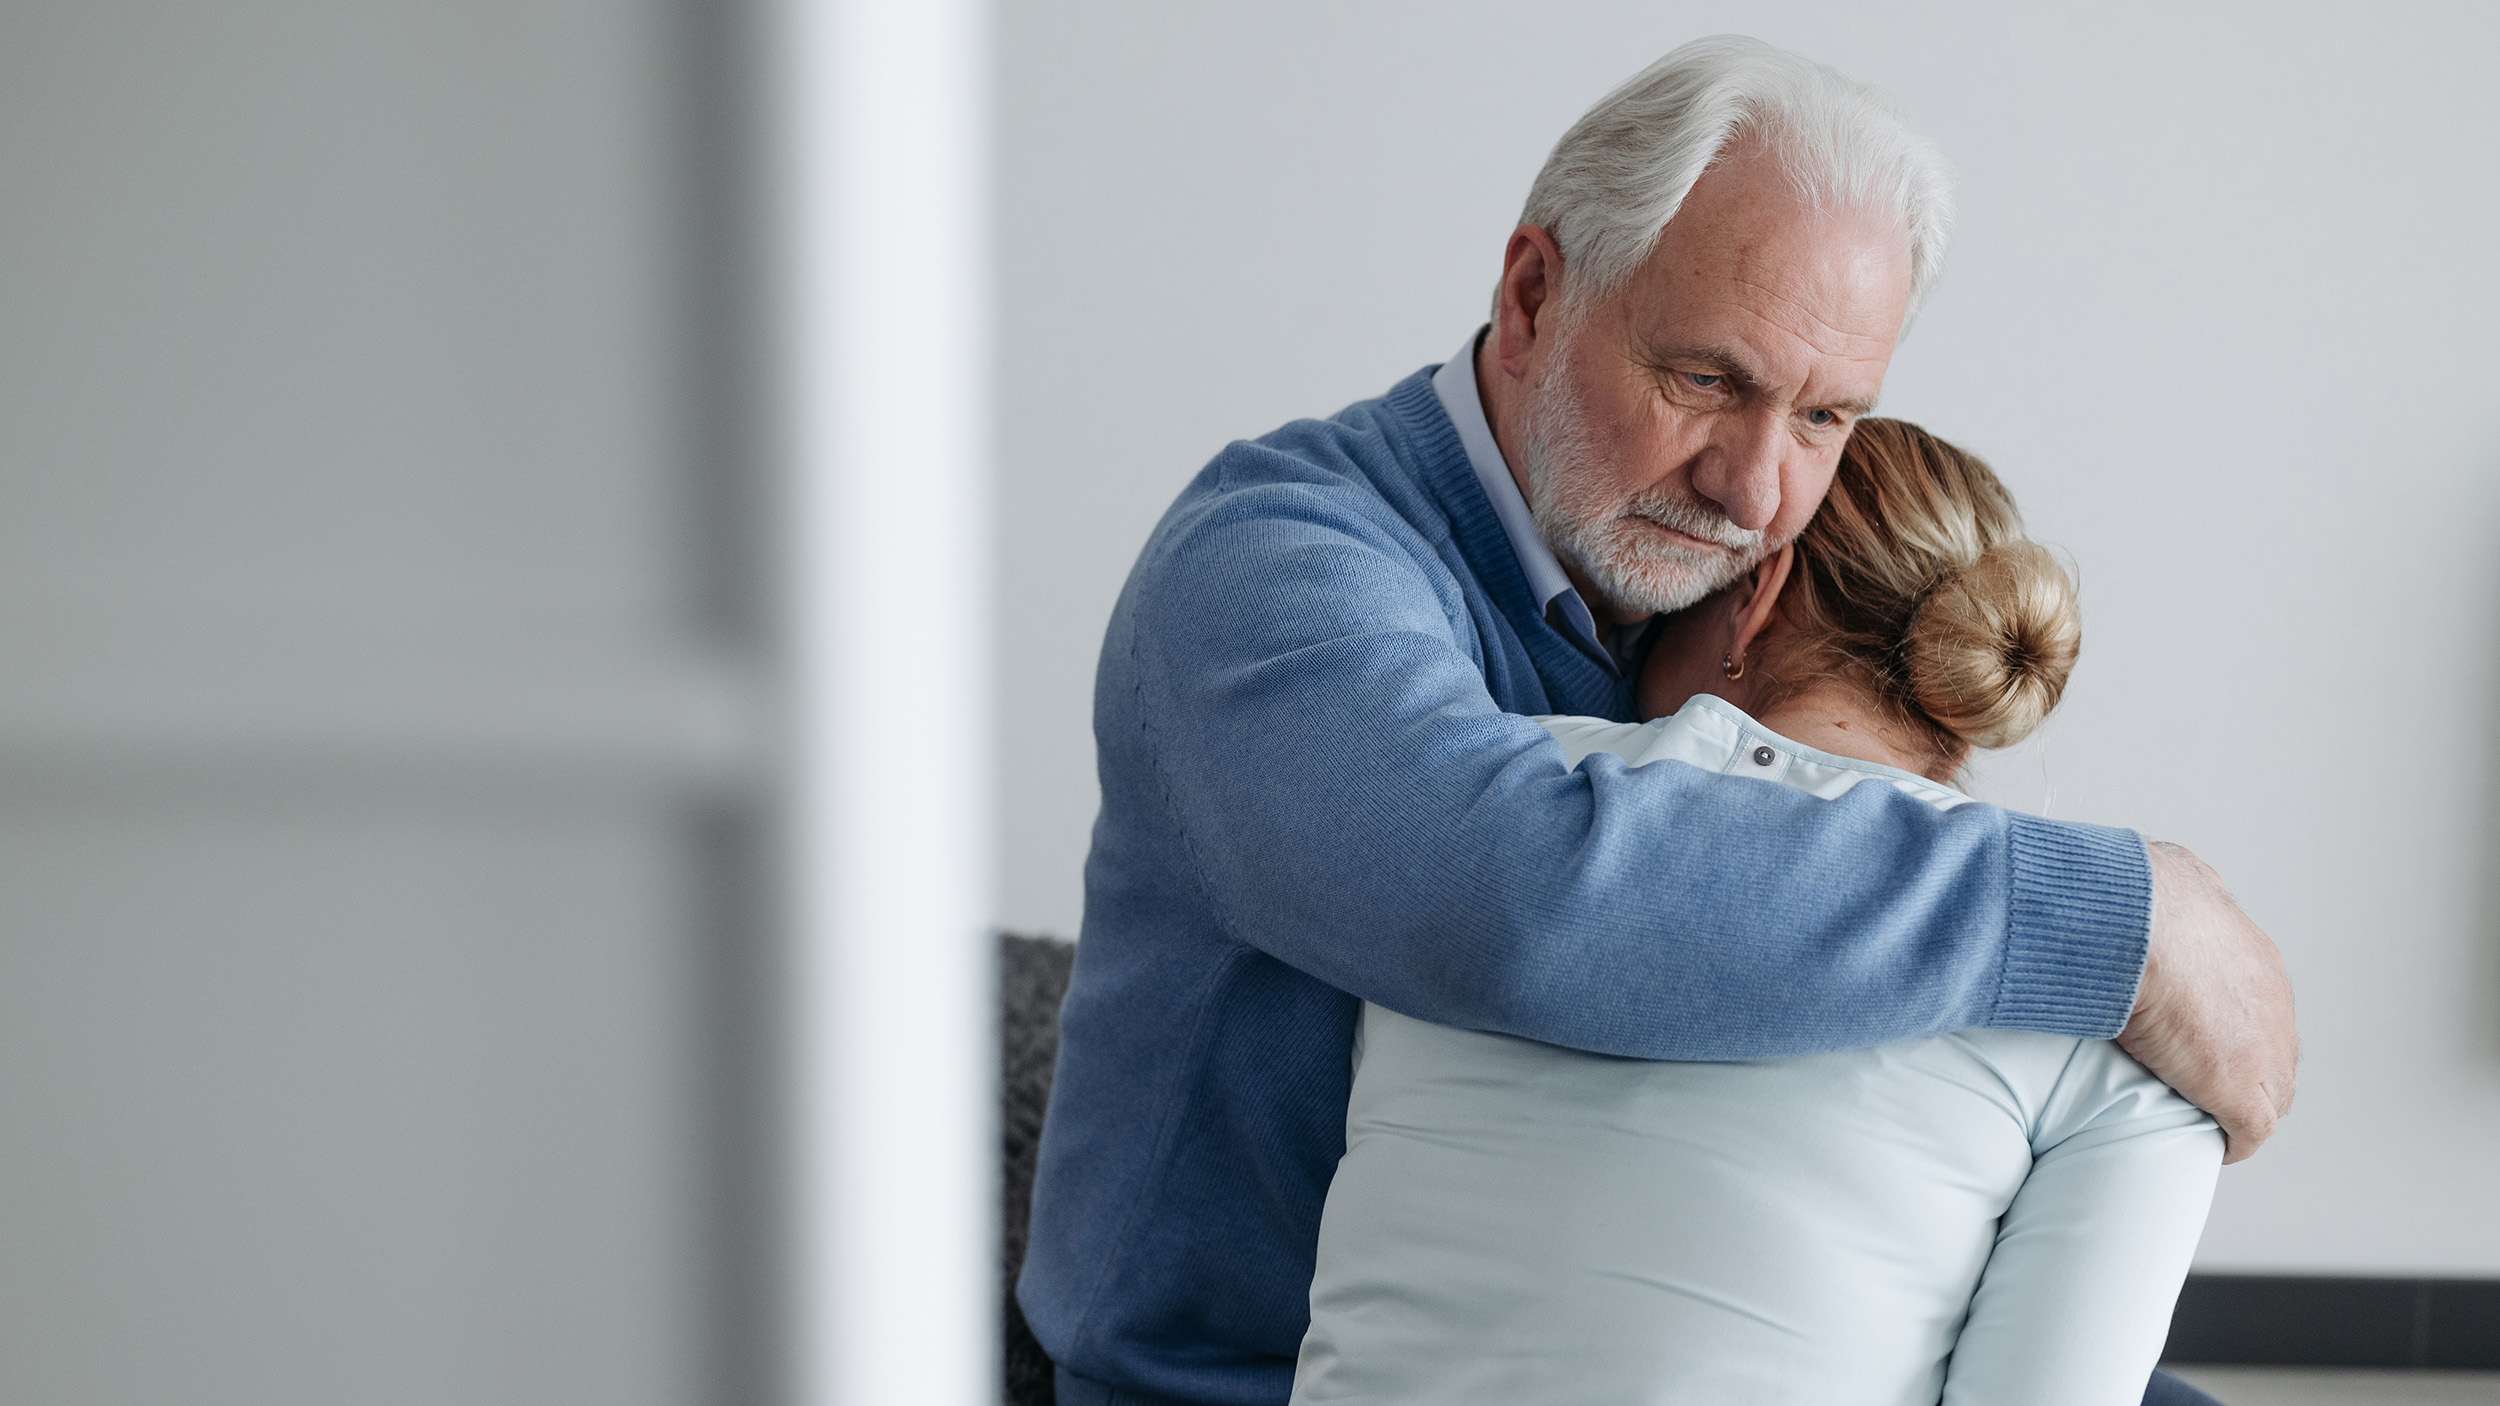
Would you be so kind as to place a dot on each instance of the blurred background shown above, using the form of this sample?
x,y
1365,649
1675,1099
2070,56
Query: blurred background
x,y
399,697
382,665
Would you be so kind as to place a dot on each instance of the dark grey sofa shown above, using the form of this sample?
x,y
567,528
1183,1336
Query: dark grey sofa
x,y
1032,979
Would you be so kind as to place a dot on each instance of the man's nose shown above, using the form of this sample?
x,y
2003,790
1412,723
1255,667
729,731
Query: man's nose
x,y
1740,470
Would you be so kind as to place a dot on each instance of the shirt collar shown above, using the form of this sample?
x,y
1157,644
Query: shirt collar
x,y
1556,598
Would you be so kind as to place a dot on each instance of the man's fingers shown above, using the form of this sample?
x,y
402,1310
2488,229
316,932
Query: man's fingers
x,y
2246,1129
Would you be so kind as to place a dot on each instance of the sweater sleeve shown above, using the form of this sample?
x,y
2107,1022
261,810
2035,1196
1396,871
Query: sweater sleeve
x,y
1357,806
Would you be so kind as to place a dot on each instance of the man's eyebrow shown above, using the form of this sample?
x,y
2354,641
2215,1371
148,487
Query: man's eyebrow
x,y
1727,361
1723,360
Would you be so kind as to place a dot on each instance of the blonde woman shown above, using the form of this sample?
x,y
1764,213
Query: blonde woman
x,y
1989,1218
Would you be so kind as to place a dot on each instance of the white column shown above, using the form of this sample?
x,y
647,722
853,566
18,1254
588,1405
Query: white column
x,y
886,300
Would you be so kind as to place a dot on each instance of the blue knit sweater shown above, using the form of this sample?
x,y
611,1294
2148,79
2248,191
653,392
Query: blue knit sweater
x,y
1319,785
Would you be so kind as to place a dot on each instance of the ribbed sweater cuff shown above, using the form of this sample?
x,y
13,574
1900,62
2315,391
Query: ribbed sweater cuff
x,y
2082,910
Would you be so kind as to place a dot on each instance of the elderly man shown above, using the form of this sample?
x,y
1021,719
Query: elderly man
x,y
1320,786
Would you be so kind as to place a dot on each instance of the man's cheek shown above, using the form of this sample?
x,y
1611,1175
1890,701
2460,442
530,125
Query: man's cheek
x,y
1800,497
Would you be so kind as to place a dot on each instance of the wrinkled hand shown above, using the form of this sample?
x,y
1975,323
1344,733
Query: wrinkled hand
x,y
2213,1017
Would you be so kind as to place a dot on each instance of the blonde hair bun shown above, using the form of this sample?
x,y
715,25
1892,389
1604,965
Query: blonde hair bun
x,y
1989,651
1915,578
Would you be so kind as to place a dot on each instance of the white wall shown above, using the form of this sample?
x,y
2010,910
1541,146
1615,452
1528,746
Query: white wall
x,y
2219,309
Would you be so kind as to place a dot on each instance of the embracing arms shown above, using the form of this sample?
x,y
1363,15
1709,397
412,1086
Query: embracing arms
x,y
1311,696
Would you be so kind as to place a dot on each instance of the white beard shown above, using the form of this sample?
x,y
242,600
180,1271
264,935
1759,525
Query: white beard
x,y
1612,542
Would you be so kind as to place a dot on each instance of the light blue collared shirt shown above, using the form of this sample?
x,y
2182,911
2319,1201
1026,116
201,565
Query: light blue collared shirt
x,y
1556,597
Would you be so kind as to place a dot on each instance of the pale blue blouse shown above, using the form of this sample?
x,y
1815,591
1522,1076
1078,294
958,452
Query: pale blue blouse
x,y
1988,1218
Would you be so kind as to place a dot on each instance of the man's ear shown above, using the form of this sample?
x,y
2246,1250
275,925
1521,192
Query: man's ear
x,y
1531,275
1758,595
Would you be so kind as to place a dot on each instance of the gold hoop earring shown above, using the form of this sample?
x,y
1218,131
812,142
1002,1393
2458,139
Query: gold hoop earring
x,y
1729,666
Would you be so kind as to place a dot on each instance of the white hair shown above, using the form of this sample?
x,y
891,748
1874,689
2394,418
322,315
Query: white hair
x,y
1621,172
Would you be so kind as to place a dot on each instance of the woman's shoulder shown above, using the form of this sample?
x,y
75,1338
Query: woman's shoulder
x,y
2079,1088
1638,744
1711,733
2105,1093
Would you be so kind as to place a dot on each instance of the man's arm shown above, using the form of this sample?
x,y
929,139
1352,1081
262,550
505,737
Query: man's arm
x,y
1357,807
2213,1016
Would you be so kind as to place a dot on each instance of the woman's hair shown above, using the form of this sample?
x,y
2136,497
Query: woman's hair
x,y
1916,578
1622,171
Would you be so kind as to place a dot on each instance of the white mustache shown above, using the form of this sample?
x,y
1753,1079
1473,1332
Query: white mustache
x,y
1693,519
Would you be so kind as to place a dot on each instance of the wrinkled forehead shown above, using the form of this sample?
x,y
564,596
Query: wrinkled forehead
x,y
1804,298
1748,242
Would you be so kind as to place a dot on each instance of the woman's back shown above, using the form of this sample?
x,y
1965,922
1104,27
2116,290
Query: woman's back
x,y
1515,1222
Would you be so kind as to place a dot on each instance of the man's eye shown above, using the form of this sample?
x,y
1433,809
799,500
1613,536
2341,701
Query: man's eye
x,y
1821,418
1704,380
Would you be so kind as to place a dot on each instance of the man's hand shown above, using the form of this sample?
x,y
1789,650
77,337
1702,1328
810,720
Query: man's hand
x,y
2214,1015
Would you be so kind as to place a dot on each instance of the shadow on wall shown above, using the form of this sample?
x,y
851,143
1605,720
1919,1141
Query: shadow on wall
x,y
2483,971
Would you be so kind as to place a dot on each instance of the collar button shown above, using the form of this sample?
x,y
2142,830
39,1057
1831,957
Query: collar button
x,y
1764,756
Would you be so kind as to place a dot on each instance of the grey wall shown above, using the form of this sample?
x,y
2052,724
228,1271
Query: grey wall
x,y
2220,310
374,732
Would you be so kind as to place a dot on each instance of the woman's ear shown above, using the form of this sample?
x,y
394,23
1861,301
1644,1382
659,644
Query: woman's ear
x,y
1758,595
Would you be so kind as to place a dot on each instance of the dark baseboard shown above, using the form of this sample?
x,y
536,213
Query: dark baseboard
x,y
2300,1320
